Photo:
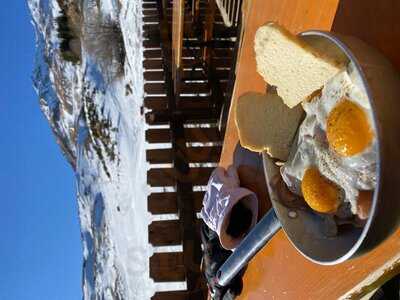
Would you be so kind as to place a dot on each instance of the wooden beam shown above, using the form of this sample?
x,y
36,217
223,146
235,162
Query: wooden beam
x,y
152,64
149,5
150,19
194,155
159,156
151,44
177,36
218,62
186,52
200,294
217,88
187,116
169,176
154,35
153,53
214,43
156,102
158,136
187,103
186,63
150,12
201,135
167,266
209,28
166,203
187,88
200,75
165,233
195,10
151,75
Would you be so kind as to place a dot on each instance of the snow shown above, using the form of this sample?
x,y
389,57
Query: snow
x,y
101,132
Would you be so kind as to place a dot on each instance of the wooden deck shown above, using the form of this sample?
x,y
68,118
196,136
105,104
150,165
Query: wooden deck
x,y
278,271
182,102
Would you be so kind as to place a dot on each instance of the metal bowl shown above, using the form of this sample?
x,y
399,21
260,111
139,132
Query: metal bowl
x,y
381,82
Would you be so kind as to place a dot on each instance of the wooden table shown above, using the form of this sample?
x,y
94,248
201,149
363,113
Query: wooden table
x,y
278,271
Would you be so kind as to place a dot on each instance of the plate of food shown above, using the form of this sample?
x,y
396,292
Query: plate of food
x,y
328,130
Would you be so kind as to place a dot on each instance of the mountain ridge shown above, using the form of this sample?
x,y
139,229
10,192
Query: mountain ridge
x,y
89,80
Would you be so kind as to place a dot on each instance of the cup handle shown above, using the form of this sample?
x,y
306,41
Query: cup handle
x,y
248,248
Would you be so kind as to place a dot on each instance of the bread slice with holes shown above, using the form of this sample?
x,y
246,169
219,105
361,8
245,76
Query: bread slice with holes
x,y
294,67
265,123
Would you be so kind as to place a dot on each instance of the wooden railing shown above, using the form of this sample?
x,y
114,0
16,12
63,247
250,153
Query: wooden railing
x,y
230,11
178,19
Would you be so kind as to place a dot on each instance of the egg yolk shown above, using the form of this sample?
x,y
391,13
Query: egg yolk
x,y
348,130
320,194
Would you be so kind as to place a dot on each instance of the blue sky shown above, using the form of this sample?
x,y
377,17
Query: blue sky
x,y
40,247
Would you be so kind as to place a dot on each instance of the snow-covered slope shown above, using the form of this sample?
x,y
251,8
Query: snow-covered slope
x,y
93,107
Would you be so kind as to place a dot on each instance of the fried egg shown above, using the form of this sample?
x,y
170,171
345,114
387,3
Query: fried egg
x,y
334,157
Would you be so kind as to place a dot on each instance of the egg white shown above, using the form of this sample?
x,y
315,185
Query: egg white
x,y
351,174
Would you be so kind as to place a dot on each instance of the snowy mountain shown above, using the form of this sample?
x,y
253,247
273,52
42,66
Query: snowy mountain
x,y
89,80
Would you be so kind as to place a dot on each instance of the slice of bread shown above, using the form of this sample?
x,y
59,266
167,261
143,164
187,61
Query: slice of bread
x,y
265,123
287,62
